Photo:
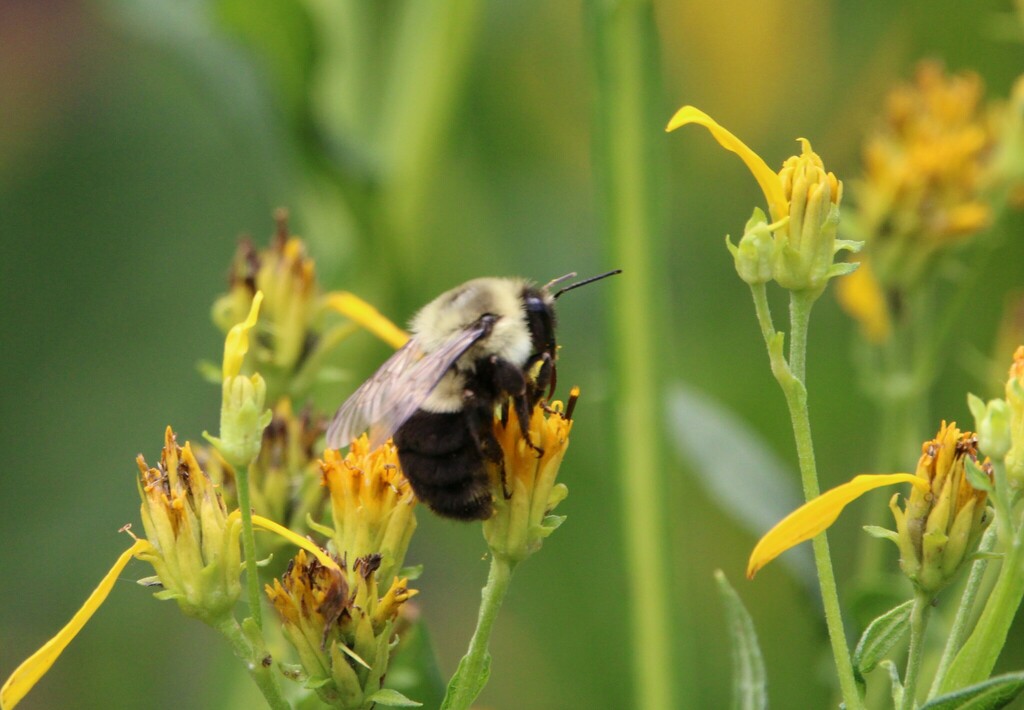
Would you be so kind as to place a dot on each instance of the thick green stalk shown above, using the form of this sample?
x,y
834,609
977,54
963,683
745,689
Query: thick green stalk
x,y
796,401
964,612
263,675
475,665
977,658
918,623
627,156
434,44
252,580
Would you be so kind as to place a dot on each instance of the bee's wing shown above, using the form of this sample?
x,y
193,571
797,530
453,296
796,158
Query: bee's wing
x,y
394,393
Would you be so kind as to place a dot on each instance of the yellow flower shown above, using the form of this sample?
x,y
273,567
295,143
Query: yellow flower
x,y
243,415
340,626
295,336
803,201
941,524
372,504
816,516
936,532
194,543
525,491
287,277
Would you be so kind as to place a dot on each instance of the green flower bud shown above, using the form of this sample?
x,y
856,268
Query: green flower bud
x,y
753,256
992,422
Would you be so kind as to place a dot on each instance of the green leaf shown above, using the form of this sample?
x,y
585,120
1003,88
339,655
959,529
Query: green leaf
x,y
476,684
880,636
726,457
989,694
393,699
749,680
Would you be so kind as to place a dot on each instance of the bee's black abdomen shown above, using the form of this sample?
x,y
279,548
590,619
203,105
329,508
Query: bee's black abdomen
x,y
444,465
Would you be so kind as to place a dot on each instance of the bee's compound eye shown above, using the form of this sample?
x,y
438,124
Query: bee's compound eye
x,y
533,303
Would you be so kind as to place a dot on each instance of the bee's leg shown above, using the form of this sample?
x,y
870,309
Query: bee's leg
x,y
509,378
546,375
480,421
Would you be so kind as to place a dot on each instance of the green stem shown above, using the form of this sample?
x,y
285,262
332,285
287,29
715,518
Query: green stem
x,y
958,632
796,401
978,656
474,667
261,672
252,579
918,623
629,159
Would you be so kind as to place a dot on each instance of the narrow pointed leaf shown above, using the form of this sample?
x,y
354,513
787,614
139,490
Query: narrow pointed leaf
x,y
990,694
749,680
477,684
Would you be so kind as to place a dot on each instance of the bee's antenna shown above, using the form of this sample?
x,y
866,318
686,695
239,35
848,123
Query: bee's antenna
x,y
560,279
584,282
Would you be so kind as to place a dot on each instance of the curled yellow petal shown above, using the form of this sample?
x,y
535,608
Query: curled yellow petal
x,y
767,178
236,344
35,666
815,516
294,538
361,312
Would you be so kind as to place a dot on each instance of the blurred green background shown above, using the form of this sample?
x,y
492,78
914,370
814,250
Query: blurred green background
x,y
139,140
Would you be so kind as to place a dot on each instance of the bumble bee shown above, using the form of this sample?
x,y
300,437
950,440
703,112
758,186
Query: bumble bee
x,y
472,348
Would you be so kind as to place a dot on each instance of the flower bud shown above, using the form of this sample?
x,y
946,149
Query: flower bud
x,y
992,420
753,256
807,245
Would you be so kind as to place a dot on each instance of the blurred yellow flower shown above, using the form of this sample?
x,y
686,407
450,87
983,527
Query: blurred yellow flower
x,y
861,296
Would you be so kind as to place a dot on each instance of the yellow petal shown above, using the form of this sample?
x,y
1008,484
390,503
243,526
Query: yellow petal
x,y
367,316
236,344
294,538
35,666
815,516
767,178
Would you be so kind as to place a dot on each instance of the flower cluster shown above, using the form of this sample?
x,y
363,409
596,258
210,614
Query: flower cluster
x,y
336,616
936,164
340,625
